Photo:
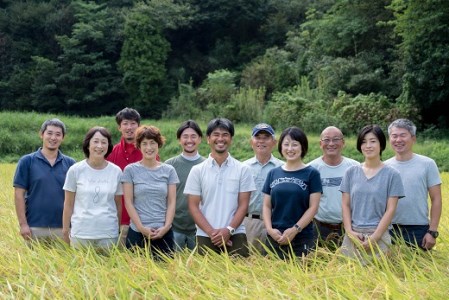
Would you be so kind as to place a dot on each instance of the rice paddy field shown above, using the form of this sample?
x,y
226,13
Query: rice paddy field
x,y
58,272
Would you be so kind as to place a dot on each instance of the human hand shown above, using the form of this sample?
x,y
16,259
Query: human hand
x,y
287,236
147,232
275,234
220,237
160,232
355,236
25,232
428,241
66,236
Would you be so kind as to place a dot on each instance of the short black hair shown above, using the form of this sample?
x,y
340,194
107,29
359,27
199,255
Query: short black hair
x,y
222,123
53,122
104,132
127,114
296,134
377,131
189,124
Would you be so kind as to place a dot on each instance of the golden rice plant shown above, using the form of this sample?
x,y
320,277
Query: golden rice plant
x,y
58,272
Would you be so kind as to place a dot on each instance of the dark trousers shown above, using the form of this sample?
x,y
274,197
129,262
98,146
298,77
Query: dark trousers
x,y
328,235
412,235
299,246
239,245
164,245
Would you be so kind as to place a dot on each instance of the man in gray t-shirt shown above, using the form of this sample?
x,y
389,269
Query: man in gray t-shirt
x,y
332,165
421,178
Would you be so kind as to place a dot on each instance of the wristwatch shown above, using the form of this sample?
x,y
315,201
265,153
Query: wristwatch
x,y
297,227
434,234
231,230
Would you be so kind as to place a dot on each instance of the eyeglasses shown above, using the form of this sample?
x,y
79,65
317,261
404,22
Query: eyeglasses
x,y
334,140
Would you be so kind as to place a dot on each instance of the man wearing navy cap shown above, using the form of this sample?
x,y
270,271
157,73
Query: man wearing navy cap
x,y
263,141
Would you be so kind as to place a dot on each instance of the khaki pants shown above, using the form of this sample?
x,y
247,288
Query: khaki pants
x,y
122,237
255,233
351,249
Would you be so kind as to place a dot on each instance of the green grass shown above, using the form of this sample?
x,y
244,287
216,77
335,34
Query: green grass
x,y
19,136
63,273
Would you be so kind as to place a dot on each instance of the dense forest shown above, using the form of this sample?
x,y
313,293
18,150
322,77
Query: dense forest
x,y
305,62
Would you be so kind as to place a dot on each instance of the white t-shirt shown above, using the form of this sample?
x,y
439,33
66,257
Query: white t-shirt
x,y
95,212
418,175
331,176
219,188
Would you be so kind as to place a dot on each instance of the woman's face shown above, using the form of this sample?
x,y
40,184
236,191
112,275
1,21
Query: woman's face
x,y
98,145
149,149
370,146
291,149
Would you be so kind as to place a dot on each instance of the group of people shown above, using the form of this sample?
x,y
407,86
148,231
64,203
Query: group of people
x,y
124,195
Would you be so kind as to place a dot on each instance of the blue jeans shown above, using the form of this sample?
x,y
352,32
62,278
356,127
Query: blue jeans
x,y
412,235
299,245
164,245
184,240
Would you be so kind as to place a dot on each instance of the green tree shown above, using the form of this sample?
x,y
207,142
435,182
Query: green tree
x,y
89,76
423,27
27,30
145,51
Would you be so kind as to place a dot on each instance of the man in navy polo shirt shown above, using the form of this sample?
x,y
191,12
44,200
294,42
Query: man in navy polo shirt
x,y
38,181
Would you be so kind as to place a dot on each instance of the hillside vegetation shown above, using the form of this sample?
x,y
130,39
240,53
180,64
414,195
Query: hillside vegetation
x,y
19,136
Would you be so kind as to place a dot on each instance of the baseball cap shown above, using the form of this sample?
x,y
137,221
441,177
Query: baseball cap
x,y
263,127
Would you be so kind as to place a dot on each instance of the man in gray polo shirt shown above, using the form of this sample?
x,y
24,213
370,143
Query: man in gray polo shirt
x,y
218,192
262,141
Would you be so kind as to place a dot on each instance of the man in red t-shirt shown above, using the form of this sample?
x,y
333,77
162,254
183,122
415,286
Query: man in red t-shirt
x,y
125,153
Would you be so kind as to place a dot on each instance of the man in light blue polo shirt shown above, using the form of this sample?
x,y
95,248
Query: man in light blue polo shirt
x,y
38,181
218,191
263,141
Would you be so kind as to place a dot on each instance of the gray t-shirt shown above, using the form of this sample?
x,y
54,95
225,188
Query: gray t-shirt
x,y
150,192
331,176
418,175
369,197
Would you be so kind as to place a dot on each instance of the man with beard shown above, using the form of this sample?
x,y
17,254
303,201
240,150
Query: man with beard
x,y
189,135
218,192
38,181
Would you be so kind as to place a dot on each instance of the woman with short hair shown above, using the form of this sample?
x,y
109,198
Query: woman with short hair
x,y
370,195
149,188
92,205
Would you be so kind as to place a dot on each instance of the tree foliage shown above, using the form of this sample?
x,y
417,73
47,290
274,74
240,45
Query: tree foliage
x,y
206,58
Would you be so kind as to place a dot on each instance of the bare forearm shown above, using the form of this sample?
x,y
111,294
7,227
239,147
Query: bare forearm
x,y
201,221
19,201
436,207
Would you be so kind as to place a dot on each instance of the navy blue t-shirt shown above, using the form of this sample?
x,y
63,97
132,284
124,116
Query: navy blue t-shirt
x,y
290,194
44,197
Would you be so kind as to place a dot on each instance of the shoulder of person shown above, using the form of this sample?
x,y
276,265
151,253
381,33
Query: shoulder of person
x,y
315,161
351,161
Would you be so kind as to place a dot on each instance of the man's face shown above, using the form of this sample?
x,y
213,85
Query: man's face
x,y
52,137
219,140
332,142
263,143
128,130
401,140
189,141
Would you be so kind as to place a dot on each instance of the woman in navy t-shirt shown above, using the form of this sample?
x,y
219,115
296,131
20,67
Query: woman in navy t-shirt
x,y
291,200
